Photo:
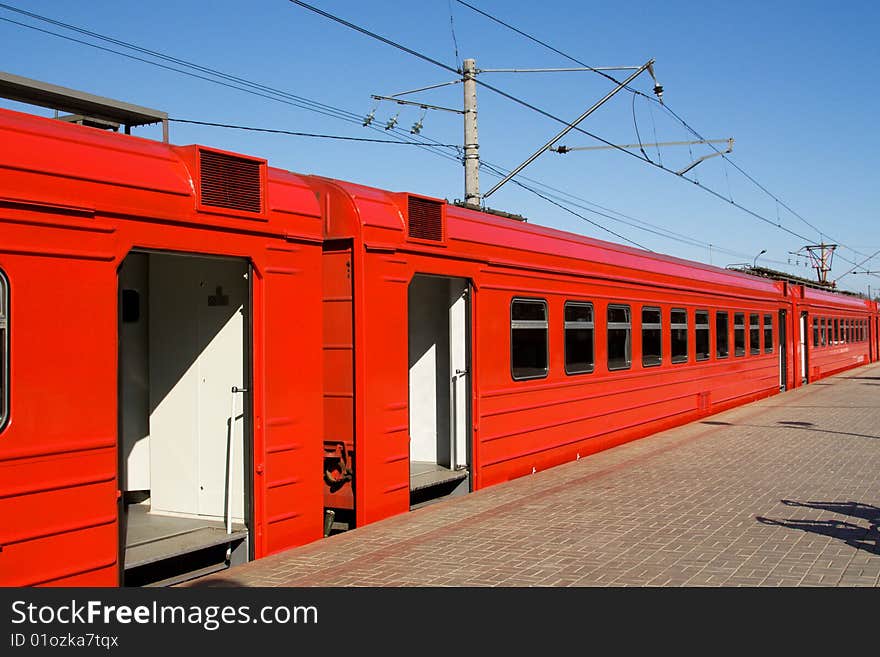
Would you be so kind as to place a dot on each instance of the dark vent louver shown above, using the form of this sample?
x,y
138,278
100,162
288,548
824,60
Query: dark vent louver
x,y
425,219
231,182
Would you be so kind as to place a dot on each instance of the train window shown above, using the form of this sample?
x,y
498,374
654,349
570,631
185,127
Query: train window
x,y
754,335
619,338
768,334
4,350
652,337
823,332
528,338
678,322
836,330
722,335
701,323
578,338
739,334
815,331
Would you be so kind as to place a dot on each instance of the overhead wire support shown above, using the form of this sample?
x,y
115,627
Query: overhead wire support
x,y
571,126
303,134
557,70
567,149
430,86
569,57
641,146
657,90
400,101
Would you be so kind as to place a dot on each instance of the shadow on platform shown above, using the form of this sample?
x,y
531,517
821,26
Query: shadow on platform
x,y
857,536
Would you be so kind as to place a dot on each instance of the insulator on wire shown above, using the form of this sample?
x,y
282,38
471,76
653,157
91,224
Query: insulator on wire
x,y
368,119
658,91
392,122
417,126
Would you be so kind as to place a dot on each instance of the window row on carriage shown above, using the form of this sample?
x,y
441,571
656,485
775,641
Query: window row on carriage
x,y
752,334
830,331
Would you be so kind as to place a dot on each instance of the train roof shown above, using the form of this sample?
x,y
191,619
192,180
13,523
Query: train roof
x,y
383,219
63,165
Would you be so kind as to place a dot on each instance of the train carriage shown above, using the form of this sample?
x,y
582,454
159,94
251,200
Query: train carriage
x,y
205,360
834,332
156,302
485,348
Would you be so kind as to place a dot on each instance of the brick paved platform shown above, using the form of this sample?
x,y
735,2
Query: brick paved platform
x,y
782,492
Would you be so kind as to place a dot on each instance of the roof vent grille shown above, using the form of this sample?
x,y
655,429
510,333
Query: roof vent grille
x,y
231,182
425,219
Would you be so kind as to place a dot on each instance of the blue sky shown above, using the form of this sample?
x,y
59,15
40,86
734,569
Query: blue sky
x,y
794,83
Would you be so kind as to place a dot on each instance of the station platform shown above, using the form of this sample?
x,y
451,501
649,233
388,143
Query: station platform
x,y
781,492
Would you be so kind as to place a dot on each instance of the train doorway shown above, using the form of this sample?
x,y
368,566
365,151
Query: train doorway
x,y
439,388
804,327
783,351
184,418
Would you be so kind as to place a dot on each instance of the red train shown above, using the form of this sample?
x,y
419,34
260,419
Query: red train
x,y
205,360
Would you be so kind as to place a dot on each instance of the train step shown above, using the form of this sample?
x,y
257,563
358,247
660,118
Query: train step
x,y
164,550
429,482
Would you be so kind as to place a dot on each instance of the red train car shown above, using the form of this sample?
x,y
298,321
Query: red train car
x,y
205,360
140,283
485,348
834,332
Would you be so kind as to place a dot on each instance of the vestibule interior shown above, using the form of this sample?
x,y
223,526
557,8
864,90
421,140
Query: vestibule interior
x,y
183,323
439,386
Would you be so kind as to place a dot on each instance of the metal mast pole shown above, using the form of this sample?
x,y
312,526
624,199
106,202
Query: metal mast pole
x,y
471,141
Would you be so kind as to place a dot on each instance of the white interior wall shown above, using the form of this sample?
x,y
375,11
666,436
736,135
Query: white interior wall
x,y
429,369
458,358
196,356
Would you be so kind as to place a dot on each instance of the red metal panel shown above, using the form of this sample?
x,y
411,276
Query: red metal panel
x,y
293,383
57,453
383,447
338,363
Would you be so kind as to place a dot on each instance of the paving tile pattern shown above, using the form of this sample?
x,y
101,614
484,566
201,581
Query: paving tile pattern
x,y
781,492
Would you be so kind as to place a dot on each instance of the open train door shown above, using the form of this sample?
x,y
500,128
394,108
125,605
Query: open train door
x,y
185,432
803,332
439,387
783,350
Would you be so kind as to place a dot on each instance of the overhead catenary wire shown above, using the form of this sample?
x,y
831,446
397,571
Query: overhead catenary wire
x,y
323,107
570,211
454,40
242,84
246,86
353,118
670,111
304,103
542,113
303,134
